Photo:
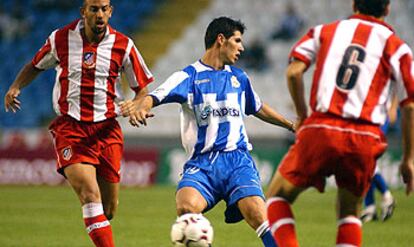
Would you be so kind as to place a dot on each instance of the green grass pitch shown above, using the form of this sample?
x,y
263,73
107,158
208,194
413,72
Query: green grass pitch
x,y
40,216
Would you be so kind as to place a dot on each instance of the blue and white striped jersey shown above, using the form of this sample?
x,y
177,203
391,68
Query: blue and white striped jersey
x,y
213,103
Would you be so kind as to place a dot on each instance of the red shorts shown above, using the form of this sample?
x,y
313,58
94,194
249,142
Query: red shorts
x,y
99,144
333,146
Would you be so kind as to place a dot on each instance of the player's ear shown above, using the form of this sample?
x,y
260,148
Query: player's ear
x,y
387,10
220,39
111,10
82,11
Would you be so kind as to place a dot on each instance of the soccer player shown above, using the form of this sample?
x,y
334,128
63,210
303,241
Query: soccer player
x,y
89,57
215,96
358,62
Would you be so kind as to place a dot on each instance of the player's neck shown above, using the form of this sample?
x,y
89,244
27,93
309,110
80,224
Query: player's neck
x,y
212,59
91,37
382,18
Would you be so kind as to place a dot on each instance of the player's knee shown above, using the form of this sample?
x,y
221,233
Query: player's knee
x,y
187,207
253,211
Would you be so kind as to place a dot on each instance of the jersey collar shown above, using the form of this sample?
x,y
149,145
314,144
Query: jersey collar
x,y
208,67
371,19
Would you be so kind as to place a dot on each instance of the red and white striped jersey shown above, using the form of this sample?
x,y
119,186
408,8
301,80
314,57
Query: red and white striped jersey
x,y
358,62
87,85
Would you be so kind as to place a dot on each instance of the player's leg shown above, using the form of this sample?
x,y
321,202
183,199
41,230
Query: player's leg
x,y
189,200
349,225
109,195
82,178
108,177
246,199
280,195
77,147
353,176
370,211
306,164
388,202
253,209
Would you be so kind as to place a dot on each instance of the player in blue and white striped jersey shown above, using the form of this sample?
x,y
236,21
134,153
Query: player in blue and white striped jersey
x,y
215,97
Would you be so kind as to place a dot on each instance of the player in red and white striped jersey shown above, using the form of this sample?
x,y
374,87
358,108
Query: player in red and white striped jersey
x,y
358,61
89,57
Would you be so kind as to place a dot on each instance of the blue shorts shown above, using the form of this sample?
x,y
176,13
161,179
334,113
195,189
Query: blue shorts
x,y
230,176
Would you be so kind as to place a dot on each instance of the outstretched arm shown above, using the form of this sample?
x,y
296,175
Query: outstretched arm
x,y
294,76
129,107
407,163
26,75
267,114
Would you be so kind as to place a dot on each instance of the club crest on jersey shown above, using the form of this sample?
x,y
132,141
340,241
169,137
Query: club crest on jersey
x,y
67,153
206,112
89,59
234,82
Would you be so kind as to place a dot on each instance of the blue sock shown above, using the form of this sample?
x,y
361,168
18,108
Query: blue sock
x,y
380,183
268,239
369,197
264,233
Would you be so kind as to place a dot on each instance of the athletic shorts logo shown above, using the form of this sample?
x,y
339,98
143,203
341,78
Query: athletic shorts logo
x,y
67,153
89,60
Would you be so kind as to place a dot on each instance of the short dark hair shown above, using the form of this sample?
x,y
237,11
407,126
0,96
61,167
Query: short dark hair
x,y
374,8
223,25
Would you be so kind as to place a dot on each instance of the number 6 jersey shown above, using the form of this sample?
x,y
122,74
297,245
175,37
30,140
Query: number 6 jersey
x,y
358,62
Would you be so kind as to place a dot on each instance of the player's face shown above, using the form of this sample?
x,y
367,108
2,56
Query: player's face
x,y
233,47
96,14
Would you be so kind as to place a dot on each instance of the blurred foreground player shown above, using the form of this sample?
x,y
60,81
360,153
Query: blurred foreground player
x,y
358,61
89,57
215,97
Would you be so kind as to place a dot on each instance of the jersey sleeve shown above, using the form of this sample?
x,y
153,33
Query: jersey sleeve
x,y
401,60
136,71
173,90
46,57
253,103
306,48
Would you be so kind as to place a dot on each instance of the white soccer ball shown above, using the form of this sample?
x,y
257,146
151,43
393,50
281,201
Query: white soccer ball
x,y
192,230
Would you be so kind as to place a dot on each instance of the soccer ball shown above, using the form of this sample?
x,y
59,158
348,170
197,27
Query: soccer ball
x,y
192,230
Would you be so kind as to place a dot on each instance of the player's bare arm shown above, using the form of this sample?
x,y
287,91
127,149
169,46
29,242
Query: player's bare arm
x,y
269,115
294,76
26,75
407,164
143,112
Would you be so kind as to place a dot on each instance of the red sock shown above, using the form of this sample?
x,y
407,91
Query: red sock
x,y
282,222
349,232
97,225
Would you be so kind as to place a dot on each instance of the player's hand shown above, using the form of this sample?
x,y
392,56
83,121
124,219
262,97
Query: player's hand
x,y
407,173
127,107
10,100
139,117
